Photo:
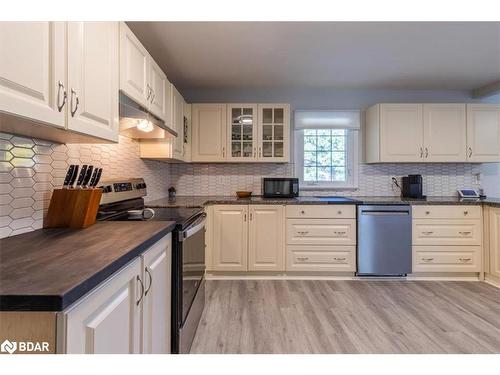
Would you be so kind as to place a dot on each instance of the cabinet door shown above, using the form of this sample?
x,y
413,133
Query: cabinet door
x,y
157,266
444,133
242,130
209,132
274,129
483,132
178,123
266,244
32,70
107,321
160,92
495,241
230,238
401,133
134,67
93,79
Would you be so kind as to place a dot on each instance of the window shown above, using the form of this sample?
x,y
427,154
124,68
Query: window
x,y
326,156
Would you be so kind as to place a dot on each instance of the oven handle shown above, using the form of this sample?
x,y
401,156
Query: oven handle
x,y
200,224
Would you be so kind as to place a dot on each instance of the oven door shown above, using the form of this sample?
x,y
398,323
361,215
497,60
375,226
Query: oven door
x,y
193,261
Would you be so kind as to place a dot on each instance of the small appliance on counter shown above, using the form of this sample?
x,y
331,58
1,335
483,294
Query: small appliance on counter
x,y
280,187
413,187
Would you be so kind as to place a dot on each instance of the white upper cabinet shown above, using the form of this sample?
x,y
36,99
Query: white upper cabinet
x,y
483,132
209,132
141,78
401,133
159,95
178,123
134,66
274,132
444,132
432,133
93,78
61,74
33,71
242,132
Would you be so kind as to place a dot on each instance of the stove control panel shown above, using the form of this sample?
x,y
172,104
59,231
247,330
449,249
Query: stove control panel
x,y
122,189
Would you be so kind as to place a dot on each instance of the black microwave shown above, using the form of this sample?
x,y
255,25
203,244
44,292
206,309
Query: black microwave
x,y
282,187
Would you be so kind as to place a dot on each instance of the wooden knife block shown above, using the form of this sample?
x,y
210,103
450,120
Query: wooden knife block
x,y
73,208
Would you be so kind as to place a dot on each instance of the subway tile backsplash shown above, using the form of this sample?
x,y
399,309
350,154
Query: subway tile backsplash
x,y
31,168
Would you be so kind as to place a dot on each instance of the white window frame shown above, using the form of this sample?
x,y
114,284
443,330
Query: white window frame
x,y
352,163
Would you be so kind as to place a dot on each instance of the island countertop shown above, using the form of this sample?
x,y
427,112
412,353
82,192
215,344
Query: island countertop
x,y
49,269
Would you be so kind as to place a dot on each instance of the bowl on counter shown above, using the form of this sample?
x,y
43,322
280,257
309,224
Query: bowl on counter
x,y
243,194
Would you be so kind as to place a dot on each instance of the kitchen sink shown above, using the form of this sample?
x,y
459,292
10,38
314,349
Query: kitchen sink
x,y
336,199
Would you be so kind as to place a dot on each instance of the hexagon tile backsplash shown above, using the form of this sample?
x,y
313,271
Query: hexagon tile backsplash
x,y
31,168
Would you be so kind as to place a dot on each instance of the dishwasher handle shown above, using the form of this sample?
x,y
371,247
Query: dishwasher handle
x,y
385,213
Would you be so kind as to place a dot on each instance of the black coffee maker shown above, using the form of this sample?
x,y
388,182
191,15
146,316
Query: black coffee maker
x,y
413,187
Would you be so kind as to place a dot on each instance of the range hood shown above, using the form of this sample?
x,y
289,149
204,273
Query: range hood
x,y
138,123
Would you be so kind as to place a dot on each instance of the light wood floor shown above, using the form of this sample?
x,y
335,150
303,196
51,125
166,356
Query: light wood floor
x,y
349,317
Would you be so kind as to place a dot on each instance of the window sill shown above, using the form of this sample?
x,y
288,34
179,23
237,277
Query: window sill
x,y
319,187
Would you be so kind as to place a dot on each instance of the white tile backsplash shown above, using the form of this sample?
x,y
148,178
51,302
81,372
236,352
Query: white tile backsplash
x,y
374,180
31,168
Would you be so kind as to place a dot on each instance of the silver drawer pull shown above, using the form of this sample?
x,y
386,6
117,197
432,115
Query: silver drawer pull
x,y
339,233
427,233
339,212
302,259
466,212
464,233
464,260
303,232
427,259
302,212
427,212
340,259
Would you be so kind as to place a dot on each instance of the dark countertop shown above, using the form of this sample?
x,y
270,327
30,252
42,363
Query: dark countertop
x,y
200,201
49,269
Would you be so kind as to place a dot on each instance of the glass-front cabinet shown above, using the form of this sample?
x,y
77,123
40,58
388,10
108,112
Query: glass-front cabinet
x,y
274,124
242,131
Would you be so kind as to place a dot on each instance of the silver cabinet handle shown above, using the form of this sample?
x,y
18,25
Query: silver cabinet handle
x,y
339,213
421,153
464,259
339,232
223,152
339,259
150,281
470,152
302,259
65,96
426,152
260,152
302,212
464,233
303,232
153,95
142,291
427,233
251,216
148,89
254,152
427,259
245,217
73,111
427,212
466,212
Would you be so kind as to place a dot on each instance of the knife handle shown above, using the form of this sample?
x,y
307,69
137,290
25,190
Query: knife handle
x,y
69,174
81,177
88,174
98,177
73,177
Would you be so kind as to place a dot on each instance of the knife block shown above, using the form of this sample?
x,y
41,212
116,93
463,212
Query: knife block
x,y
73,208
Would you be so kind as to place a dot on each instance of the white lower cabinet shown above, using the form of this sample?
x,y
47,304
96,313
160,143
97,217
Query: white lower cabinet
x,y
128,313
230,238
447,239
494,241
266,245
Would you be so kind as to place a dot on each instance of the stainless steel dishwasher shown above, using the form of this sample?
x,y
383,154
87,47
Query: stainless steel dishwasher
x,y
384,240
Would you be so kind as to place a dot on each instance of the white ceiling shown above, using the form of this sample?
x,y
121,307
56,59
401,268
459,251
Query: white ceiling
x,y
381,55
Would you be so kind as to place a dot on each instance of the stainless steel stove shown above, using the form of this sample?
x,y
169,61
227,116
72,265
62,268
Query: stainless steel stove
x,y
123,200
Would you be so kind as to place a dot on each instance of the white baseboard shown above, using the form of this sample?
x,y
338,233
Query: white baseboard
x,y
492,280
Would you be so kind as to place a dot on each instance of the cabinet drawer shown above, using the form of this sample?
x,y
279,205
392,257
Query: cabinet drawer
x,y
446,259
447,212
446,232
321,212
321,258
321,231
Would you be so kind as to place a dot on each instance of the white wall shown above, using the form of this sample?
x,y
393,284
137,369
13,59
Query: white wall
x,y
490,179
